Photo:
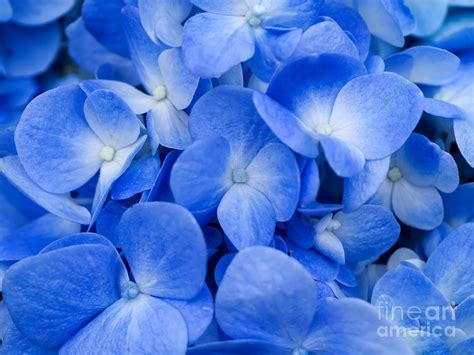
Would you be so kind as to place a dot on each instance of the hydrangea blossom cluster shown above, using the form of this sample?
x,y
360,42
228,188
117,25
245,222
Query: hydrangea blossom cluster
x,y
239,176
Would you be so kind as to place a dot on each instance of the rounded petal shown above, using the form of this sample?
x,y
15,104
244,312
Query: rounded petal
x,y
246,216
418,207
181,85
54,142
212,44
111,119
463,130
424,65
275,174
450,265
202,174
377,113
165,249
52,295
144,325
366,233
229,112
230,7
266,295
168,126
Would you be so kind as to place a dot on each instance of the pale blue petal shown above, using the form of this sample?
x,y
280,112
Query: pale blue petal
x,y
465,316
165,249
54,124
361,187
376,113
246,216
409,299
366,233
330,246
463,130
416,206
325,37
144,325
228,111
442,109
310,182
308,87
450,265
212,44
180,84
111,171
138,101
424,65
256,302
202,174
340,325
275,174
168,126
448,174
111,119
429,16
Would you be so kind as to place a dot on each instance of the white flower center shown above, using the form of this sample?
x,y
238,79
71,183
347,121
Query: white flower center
x,y
324,129
255,15
239,176
129,290
394,174
107,153
160,93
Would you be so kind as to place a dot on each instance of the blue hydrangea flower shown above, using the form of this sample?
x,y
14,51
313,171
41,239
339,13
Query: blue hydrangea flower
x,y
330,100
169,84
267,304
408,183
343,238
228,33
236,166
77,295
440,296
65,137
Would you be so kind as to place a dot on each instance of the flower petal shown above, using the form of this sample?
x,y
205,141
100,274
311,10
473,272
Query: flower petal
x,y
165,249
